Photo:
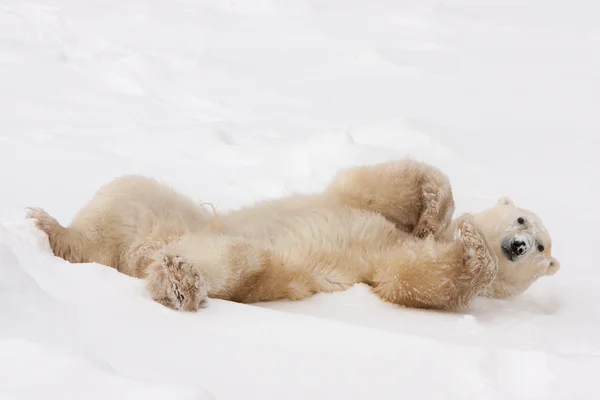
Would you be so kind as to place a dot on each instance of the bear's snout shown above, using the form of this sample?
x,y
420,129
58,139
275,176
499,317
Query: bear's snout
x,y
518,247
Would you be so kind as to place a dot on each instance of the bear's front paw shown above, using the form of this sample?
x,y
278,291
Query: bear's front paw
x,y
480,261
425,227
437,206
175,283
432,222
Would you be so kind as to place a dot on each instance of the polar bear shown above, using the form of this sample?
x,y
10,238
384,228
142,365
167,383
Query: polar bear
x,y
388,225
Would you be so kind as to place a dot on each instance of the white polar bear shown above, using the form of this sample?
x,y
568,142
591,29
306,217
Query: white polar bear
x,y
388,225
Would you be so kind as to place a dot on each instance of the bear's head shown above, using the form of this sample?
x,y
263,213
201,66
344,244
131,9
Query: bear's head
x,y
522,245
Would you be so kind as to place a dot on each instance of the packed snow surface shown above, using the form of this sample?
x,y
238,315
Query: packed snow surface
x,y
233,101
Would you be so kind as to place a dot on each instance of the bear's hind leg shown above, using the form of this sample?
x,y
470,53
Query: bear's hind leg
x,y
224,267
437,275
66,243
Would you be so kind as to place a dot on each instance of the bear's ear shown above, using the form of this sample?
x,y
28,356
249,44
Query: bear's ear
x,y
553,267
505,201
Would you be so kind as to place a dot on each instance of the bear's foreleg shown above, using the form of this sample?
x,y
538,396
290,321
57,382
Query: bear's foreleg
x,y
417,197
437,204
437,275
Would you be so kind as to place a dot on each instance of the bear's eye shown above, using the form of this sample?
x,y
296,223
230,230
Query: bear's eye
x,y
521,220
541,247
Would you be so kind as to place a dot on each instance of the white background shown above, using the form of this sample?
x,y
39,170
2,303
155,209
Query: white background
x,y
232,101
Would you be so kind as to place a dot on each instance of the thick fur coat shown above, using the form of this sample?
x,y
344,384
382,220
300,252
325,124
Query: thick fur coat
x,y
388,225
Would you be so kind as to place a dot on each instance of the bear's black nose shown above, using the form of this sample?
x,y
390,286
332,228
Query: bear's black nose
x,y
518,246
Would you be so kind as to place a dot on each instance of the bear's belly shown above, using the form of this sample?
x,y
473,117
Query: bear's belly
x,y
321,238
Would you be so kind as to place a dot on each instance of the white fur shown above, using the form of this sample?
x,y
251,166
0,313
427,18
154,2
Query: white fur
x,y
499,223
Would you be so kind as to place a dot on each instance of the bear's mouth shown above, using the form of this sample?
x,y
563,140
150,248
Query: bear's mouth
x,y
508,254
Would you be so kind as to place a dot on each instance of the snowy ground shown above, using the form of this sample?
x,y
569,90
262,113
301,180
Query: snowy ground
x,y
237,100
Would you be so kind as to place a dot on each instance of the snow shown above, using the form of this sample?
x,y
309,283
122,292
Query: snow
x,y
236,101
